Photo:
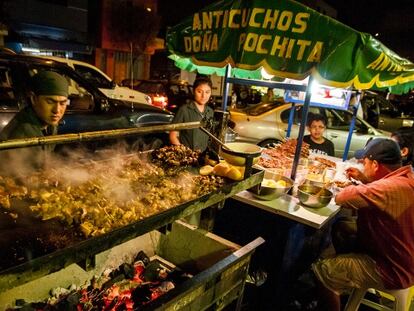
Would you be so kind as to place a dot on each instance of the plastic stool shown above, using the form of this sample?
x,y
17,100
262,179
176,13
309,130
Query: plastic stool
x,y
402,299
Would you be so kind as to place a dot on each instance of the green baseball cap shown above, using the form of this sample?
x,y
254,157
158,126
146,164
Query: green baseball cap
x,y
50,83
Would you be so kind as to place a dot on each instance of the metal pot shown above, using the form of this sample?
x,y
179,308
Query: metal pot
x,y
264,191
239,153
314,196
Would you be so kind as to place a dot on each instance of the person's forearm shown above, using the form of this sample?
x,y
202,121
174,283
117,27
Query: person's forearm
x,y
351,197
174,140
361,177
357,175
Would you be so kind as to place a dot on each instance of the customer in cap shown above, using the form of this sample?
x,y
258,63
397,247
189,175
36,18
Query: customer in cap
x,y
383,256
49,99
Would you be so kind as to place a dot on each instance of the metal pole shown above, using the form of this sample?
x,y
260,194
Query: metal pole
x,y
352,126
86,136
302,128
132,68
226,87
291,117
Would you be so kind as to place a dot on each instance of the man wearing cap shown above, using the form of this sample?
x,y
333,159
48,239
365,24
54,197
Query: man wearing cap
x,y
384,253
41,118
48,105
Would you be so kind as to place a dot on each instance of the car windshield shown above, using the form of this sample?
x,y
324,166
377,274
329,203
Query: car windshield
x,y
94,77
152,88
262,108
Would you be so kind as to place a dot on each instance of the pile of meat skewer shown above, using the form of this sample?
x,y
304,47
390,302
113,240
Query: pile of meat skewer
x,y
281,156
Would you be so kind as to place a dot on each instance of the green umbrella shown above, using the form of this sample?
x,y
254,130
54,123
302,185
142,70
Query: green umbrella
x,y
288,40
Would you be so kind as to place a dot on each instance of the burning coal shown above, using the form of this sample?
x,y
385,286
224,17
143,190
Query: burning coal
x,y
128,287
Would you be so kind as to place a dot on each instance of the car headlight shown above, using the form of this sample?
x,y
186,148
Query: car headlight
x,y
408,122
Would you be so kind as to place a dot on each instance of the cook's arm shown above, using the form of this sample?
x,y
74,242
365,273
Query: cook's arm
x,y
174,138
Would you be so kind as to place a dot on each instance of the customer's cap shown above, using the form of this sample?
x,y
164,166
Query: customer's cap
x,y
49,83
383,150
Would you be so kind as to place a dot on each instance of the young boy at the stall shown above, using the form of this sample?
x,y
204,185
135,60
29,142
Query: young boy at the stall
x,y
318,143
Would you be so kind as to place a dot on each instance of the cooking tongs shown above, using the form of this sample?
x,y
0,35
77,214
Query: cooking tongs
x,y
213,137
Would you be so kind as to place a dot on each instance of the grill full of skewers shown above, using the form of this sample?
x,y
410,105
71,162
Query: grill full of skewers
x,y
50,210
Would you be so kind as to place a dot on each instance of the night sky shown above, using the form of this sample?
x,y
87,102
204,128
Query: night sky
x,y
392,20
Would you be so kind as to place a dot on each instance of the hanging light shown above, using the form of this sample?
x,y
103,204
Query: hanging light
x,y
315,87
266,75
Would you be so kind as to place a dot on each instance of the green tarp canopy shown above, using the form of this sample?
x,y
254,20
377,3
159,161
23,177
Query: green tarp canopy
x,y
288,40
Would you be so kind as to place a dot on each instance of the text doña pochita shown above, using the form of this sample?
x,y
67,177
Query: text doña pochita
x,y
275,43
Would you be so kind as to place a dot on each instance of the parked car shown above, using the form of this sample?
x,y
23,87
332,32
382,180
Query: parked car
x,y
165,94
265,124
383,114
97,77
89,108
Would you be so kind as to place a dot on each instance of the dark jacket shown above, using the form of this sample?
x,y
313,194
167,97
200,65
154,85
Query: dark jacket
x,y
195,139
26,124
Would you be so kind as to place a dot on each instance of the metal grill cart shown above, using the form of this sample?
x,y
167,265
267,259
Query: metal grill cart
x,y
247,40
219,266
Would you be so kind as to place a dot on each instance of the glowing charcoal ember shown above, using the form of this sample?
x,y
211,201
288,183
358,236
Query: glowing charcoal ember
x,y
117,293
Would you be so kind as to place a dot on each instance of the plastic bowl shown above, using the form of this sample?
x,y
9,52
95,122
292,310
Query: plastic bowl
x,y
237,153
272,190
314,196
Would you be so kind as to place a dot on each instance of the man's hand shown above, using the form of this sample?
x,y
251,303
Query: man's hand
x,y
356,174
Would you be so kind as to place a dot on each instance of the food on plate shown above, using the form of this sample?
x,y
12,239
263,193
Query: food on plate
x,y
281,184
270,183
210,161
99,197
225,169
315,177
325,161
206,170
234,173
221,169
282,155
342,183
175,155
274,184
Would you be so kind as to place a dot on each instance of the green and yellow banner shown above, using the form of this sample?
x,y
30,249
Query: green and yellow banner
x,y
288,40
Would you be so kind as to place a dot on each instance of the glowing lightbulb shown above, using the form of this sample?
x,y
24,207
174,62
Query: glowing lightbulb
x,y
266,75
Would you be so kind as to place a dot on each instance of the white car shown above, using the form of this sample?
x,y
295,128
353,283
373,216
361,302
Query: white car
x,y
265,124
97,77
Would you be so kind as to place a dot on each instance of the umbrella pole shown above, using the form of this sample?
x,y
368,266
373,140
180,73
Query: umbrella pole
x,y
291,117
302,128
226,87
352,126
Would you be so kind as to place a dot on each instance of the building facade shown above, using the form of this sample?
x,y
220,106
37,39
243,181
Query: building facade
x,y
82,30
